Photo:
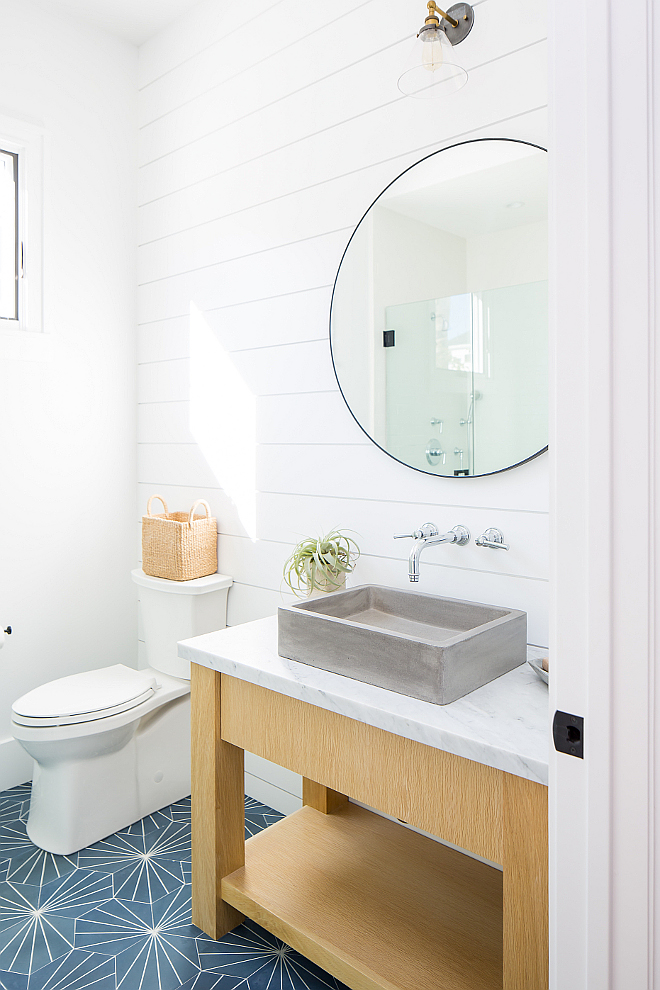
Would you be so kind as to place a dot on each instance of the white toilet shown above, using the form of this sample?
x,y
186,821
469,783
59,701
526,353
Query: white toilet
x,y
113,745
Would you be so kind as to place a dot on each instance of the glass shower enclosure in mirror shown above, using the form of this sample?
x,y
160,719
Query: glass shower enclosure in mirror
x,y
439,317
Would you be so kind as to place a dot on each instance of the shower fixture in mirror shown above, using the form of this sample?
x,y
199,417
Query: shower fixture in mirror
x,y
439,313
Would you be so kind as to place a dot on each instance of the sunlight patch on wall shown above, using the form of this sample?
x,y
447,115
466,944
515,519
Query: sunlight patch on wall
x,y
223,419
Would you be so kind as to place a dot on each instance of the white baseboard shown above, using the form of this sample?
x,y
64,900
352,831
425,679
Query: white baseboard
x,y
15,764
280,777
271,795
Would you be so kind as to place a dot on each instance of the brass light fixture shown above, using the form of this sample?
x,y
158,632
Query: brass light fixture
x,y
431,71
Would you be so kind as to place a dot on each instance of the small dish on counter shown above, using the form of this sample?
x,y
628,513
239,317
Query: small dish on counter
x,y
537,667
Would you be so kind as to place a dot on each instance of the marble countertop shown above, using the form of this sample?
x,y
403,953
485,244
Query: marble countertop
x,y
504,724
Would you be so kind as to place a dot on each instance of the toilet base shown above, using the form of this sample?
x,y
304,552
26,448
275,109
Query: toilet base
x,y
87,787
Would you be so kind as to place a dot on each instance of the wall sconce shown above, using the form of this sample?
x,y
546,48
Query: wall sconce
x,y
430,70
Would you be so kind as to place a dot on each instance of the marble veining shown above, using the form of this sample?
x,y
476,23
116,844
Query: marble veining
x,y
504,724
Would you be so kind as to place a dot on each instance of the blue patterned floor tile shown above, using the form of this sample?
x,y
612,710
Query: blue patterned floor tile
x,y
143,867
27,863
29,938
180,811
77,970
150,823
37,923
252,954
117,916
75,894
154,944
21,792
13,810
258,817
13,981
15,803
213,981
13,838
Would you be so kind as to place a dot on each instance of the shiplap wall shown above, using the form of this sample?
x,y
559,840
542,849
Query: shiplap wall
x,y
257,158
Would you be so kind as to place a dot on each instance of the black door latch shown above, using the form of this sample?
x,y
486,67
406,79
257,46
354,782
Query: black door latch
x,y
568,734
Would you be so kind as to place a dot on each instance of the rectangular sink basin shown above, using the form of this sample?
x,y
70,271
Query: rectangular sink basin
x,y
426,647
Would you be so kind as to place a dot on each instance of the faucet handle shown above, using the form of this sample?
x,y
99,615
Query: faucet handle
x,y
428,529
493,539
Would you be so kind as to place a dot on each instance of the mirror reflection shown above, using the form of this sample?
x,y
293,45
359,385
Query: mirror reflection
x,y
439,318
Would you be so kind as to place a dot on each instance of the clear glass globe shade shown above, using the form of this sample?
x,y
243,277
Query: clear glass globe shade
x,y
430,70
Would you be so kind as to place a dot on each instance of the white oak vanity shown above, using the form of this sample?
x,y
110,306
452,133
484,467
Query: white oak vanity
x,y
373,903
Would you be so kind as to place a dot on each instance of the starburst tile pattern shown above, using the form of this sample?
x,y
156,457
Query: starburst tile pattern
x,y
76,970
258,817
257,960
37,923
27,863
180,811
117,916
159,819
143,867
15,804
155,945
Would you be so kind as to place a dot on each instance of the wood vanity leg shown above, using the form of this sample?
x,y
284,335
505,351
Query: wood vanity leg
x,y
322,798
525,865
218,807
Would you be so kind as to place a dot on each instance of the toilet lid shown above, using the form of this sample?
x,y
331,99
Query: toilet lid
x,y
82,697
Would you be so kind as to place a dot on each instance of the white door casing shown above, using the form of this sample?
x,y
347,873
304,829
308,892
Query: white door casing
x,y
604,450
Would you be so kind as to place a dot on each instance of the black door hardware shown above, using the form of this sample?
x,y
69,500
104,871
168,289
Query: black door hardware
x,y
568,734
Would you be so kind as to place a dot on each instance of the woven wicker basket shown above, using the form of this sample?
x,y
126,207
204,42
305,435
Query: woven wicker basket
x,y
179,546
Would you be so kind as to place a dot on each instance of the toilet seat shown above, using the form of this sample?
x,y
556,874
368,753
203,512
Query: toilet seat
x,y
85,697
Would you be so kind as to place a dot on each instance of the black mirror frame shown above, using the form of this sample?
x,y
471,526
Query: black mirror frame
x,y
433,474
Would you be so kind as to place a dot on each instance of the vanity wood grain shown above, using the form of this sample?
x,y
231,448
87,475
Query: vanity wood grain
x,y
489,812
385,771
349,891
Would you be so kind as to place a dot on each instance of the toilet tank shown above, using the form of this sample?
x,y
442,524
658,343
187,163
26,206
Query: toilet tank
x,y
175,610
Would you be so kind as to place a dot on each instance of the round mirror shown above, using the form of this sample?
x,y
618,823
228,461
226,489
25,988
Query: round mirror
x,y
439,314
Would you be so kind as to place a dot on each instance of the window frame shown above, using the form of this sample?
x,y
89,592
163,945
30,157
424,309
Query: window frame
x,y
6,153
27,142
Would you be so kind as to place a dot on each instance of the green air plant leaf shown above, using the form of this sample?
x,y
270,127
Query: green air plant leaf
x,y
321,562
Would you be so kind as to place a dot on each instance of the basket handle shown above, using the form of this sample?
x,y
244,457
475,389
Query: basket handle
x,y
151,498
200,501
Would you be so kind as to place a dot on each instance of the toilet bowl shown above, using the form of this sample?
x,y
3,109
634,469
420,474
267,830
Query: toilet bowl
x,y
113,745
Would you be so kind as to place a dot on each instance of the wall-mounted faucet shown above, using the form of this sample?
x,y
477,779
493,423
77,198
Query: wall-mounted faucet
x,y
429,535
434,453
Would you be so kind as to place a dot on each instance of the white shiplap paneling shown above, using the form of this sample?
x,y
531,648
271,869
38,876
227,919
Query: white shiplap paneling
x,y
253,175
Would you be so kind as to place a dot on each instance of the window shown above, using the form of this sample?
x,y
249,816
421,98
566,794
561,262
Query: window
x,y
21,226
9,242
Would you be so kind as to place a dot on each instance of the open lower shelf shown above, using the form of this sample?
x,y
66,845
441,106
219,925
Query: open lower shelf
x,y
372,903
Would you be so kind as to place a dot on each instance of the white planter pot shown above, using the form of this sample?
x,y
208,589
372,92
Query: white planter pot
x,y
326,588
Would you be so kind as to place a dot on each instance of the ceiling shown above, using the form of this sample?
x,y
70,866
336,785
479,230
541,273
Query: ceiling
x,y
504,185
132,20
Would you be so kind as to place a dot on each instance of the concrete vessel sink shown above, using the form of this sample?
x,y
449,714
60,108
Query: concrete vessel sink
x,y
431,648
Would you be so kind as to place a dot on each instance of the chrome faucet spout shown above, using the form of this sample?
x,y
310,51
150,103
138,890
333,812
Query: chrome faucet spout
x,y
419,545
428,536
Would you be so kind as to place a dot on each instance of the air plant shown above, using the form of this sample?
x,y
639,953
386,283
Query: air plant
x,y
321,564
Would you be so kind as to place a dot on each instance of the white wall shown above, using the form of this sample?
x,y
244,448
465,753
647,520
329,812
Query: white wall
x,y
67,421
508,257
255,167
